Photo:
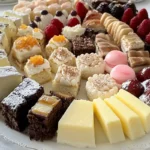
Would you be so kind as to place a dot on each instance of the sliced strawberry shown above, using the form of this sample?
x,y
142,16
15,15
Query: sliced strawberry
x,y
134,23
142,14
73,22
144,28
50,31
128,15
81,9
58,24
147,39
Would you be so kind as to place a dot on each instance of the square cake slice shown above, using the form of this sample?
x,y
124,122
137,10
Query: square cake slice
x,y
61,56
82,45
43,117
10,78
3,58
67,80
16,105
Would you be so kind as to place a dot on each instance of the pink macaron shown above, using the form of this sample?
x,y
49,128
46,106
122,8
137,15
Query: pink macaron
x,y
115,58
122,73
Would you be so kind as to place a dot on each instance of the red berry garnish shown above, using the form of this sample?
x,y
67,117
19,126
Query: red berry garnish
x,y
144,74
147,39
58,24
134,23
134,87
73,22
50,31
146,84
128,15
142,14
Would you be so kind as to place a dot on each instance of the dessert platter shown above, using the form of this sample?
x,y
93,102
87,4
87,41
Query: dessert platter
x,y
75,75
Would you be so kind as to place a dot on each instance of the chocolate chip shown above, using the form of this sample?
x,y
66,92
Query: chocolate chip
x,y
73,13
33,24
59,13
37,19
44,12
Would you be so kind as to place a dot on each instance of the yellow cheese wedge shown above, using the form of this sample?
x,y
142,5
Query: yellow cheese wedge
x,y
131,122
76,127
137,106
110,122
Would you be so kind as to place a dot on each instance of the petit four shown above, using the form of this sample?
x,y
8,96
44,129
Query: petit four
x,y
24,48
122,73
72,32
77,133
55,42
3,58
67,80
137,106
104,44
61,56
53,8
101,85
61,17
90,64
115,58
73,14
38,69
65,98
49,2
25,18
10,78
111,124
128,118
67,6
4,43
82,45
16,105
43,117
131,42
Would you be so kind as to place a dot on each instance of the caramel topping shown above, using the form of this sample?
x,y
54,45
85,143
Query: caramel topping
x,y
23,26
37,60
36,29
26,42
59,38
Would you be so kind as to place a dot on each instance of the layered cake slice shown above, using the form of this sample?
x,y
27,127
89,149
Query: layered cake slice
x,y
43,117
67,80
90,64
76,127
4,43
24,48
25,18
10,78
38,69
55,42
16,105
61,56
3,58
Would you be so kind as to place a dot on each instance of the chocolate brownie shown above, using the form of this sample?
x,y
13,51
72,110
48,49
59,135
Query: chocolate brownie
x,y
65,98
16,105
82,45
43,117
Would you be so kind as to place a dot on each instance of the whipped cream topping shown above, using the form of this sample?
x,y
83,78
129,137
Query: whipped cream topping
x,y
72,32
38,34
77,17
31,69
27,30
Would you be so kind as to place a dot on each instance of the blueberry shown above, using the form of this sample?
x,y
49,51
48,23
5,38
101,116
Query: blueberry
x,y
44,12
33,24
37,19
59,13
73,13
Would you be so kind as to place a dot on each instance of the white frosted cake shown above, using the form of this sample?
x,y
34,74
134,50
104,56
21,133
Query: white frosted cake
x,y
61,56
67,80
3,58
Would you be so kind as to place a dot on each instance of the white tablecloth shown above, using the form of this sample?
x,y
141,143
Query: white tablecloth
x,y
5,145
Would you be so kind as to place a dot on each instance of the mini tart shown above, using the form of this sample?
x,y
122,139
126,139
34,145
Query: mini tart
x,y
55,42
38,69
67,80
90,64
61,56
24,48
101,85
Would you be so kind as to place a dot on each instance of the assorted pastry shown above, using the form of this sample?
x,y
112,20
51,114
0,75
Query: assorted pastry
x,y
66,44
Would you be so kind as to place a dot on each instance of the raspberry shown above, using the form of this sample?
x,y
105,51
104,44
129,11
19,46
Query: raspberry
x,y
147,39
143,14
73,22
58,24
134,23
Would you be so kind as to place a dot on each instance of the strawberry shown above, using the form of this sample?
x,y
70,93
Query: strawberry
x,y
134,23
58,24
73,22
81,9
143,14
50,31
143,29
147,39
128,15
